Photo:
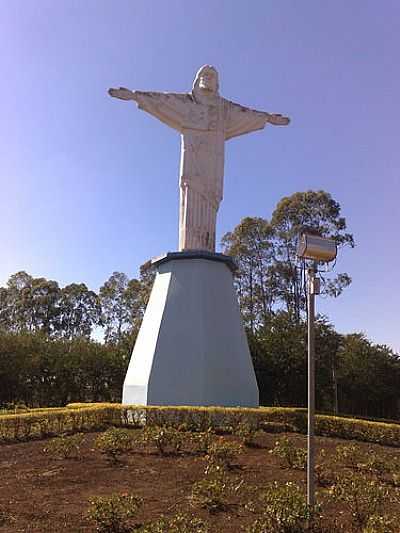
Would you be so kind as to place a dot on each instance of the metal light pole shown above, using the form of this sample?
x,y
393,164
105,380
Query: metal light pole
x,y
313,246
313,289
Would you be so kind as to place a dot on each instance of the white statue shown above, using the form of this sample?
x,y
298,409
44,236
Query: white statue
x,y
205,121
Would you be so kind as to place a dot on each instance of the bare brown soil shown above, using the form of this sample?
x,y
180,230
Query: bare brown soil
x,y
44,494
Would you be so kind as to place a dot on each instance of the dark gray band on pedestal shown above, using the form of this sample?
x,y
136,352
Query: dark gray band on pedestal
x,y
196,254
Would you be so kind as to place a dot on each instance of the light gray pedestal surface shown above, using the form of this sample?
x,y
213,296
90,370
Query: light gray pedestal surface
x,y
192,348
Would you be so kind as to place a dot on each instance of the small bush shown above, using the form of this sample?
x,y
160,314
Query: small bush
x,y
211,493
224,429
277,427
65,447
247,434
283,509
349,455
363,498
395,479
113,514
167,440
113,443
203,440
290,455
381,524
4,516
179,523
221,455
326,477
378,464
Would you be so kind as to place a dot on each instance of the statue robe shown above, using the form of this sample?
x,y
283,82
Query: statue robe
x,y
204,127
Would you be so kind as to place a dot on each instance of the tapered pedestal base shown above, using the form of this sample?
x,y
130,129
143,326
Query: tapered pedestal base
x,y
192,348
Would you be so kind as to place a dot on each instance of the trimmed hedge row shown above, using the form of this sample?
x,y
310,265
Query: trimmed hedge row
x,y
23,410
88,417
44,424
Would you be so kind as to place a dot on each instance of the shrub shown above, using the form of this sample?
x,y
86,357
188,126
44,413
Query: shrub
x,y
65,447
114,442
290,455
224,430
362,430
362,497
378,464
277,427
113,514
203,440
395,479
248,434
325,476
4,516
40,423
211,493
79,417
221,455
167,440
349,455
380,524
179,523
283,509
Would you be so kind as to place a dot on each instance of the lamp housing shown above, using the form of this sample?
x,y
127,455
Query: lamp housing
x,y
316,248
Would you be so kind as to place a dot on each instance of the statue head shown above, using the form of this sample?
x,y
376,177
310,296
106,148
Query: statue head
x,y
206,81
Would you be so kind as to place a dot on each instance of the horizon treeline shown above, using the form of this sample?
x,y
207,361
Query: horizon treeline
x,y
48,355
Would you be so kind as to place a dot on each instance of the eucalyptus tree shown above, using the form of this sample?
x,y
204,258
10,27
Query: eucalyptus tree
x,y
270,276
121,304
250,243
31,303
79,311
304,210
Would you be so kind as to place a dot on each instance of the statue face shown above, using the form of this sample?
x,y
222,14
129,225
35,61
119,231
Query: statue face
x,y
208,81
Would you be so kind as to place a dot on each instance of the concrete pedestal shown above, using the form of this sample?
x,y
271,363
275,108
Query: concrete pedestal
x,y
192,348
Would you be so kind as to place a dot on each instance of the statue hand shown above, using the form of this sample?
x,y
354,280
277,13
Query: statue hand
x,y
278,120
122,93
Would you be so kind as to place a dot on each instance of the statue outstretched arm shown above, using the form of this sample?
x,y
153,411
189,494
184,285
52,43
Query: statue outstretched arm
x,y
170,108
242,120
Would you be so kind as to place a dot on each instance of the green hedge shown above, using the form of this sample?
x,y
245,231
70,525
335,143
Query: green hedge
x,y
43,424
87,417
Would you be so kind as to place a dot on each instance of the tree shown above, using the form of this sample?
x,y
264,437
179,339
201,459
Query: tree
x,y
79,311
31,303
42,371
251,245
279,355
270,277
5,309
368,378
16,299
311,209
120,301
146,278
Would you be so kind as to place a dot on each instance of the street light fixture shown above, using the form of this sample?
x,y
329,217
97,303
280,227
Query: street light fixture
x,y
317,249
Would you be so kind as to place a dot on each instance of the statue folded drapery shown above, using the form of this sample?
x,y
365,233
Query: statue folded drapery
x,y
205,121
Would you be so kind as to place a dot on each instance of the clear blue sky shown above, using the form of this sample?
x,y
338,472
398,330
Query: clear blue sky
x,y
89,184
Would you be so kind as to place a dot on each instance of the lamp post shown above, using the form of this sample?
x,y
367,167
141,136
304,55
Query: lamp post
x,y
317,249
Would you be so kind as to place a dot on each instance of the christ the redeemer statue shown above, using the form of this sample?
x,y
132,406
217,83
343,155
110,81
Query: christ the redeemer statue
x,y
205,121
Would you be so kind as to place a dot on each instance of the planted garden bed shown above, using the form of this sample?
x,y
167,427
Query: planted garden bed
x,y
161,479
